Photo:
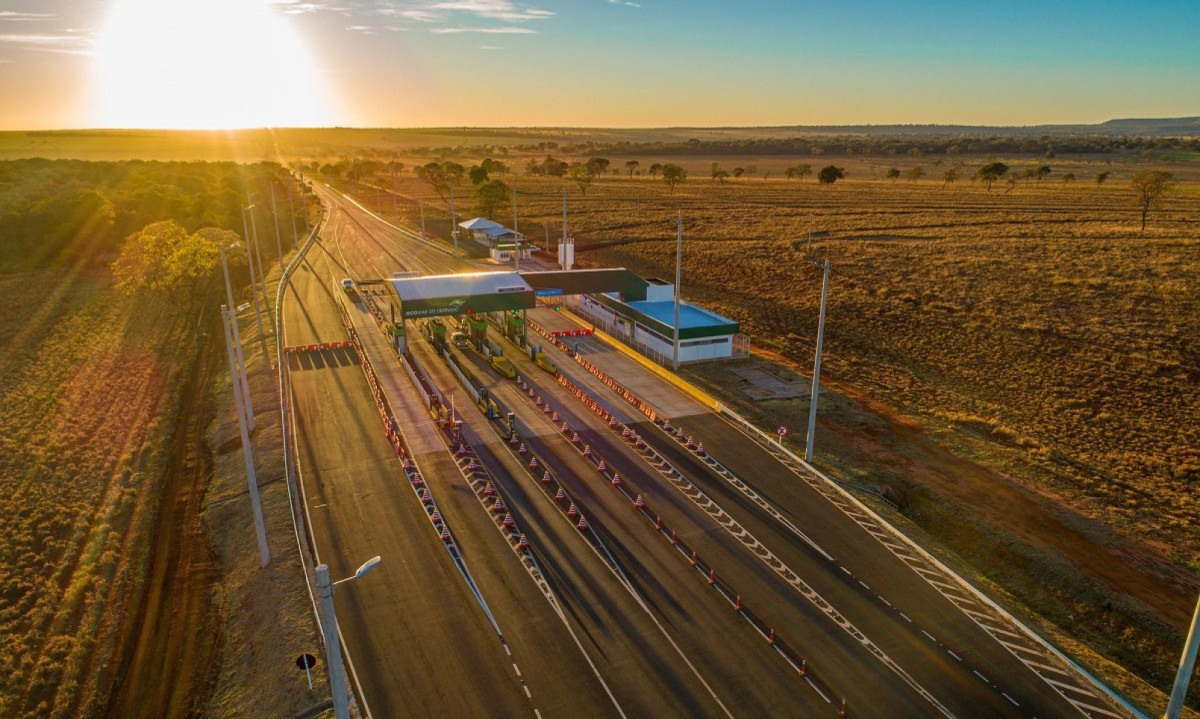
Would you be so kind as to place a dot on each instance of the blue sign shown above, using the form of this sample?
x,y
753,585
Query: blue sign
x,y
547,293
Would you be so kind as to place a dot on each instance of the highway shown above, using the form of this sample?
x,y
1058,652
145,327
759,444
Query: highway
x,y
614,620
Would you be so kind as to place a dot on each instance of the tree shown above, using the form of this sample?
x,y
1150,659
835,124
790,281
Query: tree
x,y
893,173
1101,177
492,196
803,171
991,172
597,165
162,256
830,174
1068,178
494,167
655,169
631,165
718,173
916,173
950,176
1149,187
1042,172
790,173
738,172
673,175
478,175
583,176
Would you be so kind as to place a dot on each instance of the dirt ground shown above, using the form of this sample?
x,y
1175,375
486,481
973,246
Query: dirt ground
x,y
172,629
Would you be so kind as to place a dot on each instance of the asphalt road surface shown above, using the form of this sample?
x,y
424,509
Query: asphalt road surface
x,y
614,620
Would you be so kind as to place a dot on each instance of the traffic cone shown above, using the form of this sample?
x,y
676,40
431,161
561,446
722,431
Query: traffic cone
x,y
445,534
538,402
531,392
436,517
700,449
583,525
842,709
488,490
523,543
472,465
462,450
658,521
416,480
522,449
771,637
737,607
533,463
426,497
803,667
693,557
572,511
691,443
546,409
616,480
679,434
639,503
625,432
554,418
546,479
508,520
587,450
498,507
602,468
674,541
712,576
667,427
575,438
612,421
560,495
565,427
513,438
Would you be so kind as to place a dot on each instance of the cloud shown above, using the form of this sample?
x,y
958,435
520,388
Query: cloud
x,y
72,44
626,3
493,10
504,30
296,7
491,47
13,15
364,29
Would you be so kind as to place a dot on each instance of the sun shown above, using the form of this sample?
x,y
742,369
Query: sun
x,y
203,64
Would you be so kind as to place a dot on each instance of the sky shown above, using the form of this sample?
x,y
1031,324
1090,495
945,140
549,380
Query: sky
x,y
593,63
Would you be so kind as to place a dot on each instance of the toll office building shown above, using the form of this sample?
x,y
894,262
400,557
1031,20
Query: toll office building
x,y
648,325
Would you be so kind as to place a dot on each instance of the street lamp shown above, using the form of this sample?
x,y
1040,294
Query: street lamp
x,y
262,336
245,404
1186,663
816,381
337,676
264,552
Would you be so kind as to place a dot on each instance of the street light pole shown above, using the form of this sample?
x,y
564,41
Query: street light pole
x,y
421,204
262,273
678,279
292,212
264,552
237,341
1187,663
333,645
816,381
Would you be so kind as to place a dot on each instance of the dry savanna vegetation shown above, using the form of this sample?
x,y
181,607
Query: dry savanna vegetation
x,y
109,281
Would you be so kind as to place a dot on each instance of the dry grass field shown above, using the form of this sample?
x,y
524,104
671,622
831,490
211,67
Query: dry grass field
x,y
86,405
1017,368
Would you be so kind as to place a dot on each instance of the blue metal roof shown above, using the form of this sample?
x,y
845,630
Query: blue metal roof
x,y
694,321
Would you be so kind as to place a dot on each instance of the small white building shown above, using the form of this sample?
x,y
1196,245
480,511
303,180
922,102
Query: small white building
x,y
502,243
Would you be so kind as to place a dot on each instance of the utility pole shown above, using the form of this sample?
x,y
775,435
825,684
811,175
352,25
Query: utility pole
x,y
275,219
421,204
678,279
1186,664
292,212
262,273
264,552
816,381
453,219
262,336
237,342
395,208
516,232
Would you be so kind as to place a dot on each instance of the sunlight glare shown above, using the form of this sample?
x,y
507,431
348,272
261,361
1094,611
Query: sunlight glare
x,y
217,64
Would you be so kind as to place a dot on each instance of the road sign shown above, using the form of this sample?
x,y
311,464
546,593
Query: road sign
x,y
782,431
548,293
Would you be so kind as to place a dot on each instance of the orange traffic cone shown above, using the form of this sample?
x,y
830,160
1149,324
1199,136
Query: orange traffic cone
x,y
602,468
572,511
498,507
445,534
583,525
546,479
560,495
533,463
436,518
508,520
616,479
639,503
522,543
488,490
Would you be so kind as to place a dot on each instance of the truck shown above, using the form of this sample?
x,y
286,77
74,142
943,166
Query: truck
x,y
544,362
504,366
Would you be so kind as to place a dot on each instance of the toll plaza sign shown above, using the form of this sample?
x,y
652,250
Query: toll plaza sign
x,y
442,306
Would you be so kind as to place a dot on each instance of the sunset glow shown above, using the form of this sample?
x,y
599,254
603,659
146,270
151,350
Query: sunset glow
x,y
221,64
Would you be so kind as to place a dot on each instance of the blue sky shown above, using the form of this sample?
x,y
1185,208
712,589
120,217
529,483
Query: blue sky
x,y
644,62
